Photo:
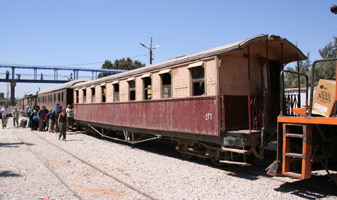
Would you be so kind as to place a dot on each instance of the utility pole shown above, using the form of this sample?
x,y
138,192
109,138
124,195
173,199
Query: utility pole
x,y
151,58
13,84
150,48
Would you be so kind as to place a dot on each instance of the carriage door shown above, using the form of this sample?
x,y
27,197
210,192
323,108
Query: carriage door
x,y
271,92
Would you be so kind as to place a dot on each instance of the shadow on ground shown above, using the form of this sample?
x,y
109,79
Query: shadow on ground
x,y
314,188
8,174
14,144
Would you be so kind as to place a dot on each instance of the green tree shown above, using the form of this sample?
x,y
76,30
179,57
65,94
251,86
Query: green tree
x,y
291,79
327,70
323,70
123,64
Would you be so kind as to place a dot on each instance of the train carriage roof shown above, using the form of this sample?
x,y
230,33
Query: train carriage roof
x,y
69,84
291,53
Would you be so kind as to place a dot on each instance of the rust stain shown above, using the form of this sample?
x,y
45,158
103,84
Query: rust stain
x,y
192,115
102,192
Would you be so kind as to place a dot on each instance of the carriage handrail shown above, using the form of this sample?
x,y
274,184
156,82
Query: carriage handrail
x,y
282,88
313,80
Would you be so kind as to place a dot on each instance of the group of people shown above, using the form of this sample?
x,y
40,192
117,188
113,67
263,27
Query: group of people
x,y
5,113
57,120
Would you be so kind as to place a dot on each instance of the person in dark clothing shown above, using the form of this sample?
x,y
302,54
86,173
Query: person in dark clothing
x,y
62,123
29,114
55,115
35,119
41,116
51,121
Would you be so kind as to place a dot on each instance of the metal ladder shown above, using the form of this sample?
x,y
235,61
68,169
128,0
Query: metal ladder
x,y
306,136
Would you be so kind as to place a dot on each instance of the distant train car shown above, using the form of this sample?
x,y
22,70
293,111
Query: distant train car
x,y
220,104
27,101
62,94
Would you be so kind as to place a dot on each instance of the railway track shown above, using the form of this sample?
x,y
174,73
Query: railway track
x,y
165,148
84,162
317,185
50,169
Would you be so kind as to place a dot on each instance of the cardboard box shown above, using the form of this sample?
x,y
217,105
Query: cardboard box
x,y
324,98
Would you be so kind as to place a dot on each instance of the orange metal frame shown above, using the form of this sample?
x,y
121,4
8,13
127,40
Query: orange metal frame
x,y
307,120
306,153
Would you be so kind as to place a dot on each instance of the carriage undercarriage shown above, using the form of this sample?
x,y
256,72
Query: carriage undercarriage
x,y
236,148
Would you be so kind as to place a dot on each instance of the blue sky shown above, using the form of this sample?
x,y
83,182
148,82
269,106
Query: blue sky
x,y
68,32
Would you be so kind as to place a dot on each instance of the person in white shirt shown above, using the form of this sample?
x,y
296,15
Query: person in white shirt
x,y
70,113
5,114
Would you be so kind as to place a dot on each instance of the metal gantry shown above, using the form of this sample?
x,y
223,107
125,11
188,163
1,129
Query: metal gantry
x,y
73,75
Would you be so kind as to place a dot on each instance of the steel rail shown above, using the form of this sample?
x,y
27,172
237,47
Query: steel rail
x,y
96,168
251,174
51,170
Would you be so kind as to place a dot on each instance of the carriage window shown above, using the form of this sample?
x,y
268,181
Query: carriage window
x,y
116,92
147,88
103,97
93,98
76,96
132,90
84,96
62,96
58,97
166,85
198,81
54,97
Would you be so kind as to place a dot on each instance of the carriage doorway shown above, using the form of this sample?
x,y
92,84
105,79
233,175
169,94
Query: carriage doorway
x,y
271,92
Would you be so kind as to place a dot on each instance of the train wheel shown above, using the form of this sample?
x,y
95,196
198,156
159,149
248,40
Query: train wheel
x,y
201,158
217,157
186,155
216,163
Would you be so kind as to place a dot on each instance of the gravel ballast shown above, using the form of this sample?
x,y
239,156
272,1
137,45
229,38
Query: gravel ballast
x,y
157,171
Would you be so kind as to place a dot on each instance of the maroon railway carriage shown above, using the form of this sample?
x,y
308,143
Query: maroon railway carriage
x,y
61,94
218,104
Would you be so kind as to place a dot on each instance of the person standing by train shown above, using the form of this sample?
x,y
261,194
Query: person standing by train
x,y
41,115
5,114
35,119
62,123
30,117
70,113
15,114
51,121
55,115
